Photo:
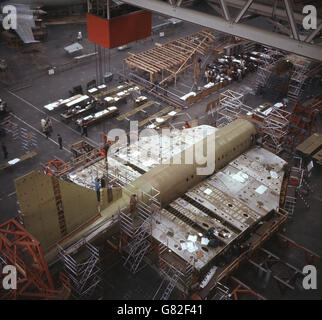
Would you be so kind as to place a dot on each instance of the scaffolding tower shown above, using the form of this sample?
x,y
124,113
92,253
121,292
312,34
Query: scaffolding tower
x,y
296,82
81,264
136,229
264,71
230,108
275,130
173,274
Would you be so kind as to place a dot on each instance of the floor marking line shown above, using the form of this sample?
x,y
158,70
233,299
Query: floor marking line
x,y
25,101
51,117
27,124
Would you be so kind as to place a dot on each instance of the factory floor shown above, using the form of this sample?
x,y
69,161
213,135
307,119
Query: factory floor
x,y
32,89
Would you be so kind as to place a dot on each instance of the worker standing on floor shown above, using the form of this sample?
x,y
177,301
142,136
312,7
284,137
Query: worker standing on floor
x,y
46,131
4,150
43,125
79,36
49,125
98,189
103,184
84,130
60,141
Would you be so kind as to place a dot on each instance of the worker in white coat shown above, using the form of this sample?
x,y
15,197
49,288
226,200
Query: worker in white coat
x,y
43,124
79,36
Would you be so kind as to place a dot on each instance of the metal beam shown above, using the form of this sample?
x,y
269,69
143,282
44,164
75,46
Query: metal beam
x,y
240,30
225,10
266,10
216,8
279,26
243,10
311,36
291,19
179,3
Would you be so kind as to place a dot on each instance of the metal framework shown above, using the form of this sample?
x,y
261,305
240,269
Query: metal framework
x,y
10,128
169,281
290,200
303,121
221,292
230,108
275,129
59,168
310,256
22,250
298,184
28,140
268,59
297,79
242,289
136,230
270,266
82,267
172,273
140,244
236,26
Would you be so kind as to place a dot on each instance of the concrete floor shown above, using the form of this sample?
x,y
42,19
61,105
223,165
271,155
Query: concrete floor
x,y
27,107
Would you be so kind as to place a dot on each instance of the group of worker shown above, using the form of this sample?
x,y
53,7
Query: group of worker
x,y
230,67
47,127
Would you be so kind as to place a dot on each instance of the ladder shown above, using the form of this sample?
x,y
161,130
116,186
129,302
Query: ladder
x,y
169,281
59,206
172,283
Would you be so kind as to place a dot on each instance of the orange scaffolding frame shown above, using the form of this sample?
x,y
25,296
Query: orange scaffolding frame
x,y
22,250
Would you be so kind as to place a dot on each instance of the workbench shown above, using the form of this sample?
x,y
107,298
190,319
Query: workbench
x,y
76,112
62,102
92,119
